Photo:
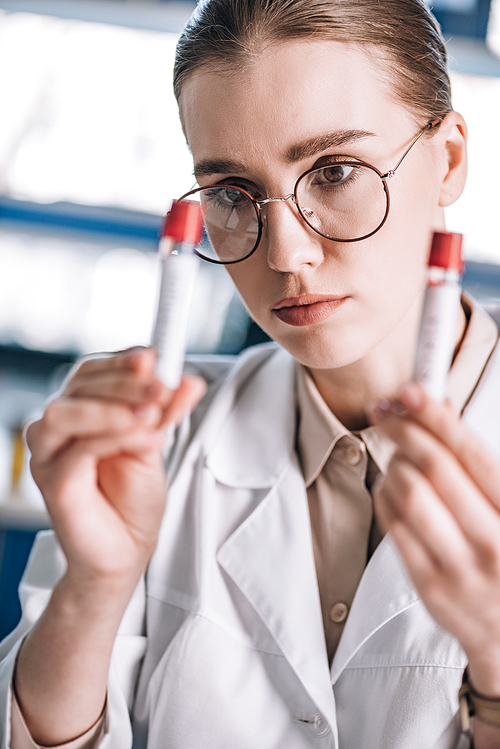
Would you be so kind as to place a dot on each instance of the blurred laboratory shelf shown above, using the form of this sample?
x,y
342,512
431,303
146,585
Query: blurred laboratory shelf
x,y
18,514
169,16
19,524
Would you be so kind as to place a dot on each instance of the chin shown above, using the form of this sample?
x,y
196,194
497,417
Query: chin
x,y
317,350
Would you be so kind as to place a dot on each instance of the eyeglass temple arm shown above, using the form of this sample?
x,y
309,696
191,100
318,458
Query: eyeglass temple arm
x,y
429,125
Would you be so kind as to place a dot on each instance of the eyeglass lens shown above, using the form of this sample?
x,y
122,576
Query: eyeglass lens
x,y
343,202
231,224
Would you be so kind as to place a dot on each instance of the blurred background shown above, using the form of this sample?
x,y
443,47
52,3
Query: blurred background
x,y
91,155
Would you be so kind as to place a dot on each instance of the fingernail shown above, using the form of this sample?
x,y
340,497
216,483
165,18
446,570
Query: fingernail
x,y
385,405
149,413
411,395
376,410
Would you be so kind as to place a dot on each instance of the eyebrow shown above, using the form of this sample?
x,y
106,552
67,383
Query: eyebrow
x,y
312,146
297,152
206,167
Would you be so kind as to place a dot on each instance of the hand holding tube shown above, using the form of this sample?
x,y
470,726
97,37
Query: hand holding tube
x,y
96,456
97,459
440,500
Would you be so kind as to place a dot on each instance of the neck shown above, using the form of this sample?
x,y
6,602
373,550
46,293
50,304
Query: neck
x,y
379,374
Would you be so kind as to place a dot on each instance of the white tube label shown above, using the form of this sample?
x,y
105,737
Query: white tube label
x,y
437,338
178,281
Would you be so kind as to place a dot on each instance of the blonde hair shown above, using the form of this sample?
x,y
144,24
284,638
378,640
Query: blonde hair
x,y
227,34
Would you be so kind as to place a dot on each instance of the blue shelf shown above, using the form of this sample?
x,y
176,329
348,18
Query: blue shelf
x,y
15,547
107,221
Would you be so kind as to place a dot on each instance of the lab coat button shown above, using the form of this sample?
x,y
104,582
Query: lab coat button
x,y
354,455
316,725
338,612
319,726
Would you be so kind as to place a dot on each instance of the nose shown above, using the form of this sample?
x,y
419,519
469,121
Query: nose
x,y
289,242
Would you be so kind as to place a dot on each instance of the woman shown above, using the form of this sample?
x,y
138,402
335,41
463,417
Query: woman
x,y
274,611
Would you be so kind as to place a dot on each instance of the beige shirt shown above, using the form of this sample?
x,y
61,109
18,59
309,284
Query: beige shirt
x,y
339,468
21,737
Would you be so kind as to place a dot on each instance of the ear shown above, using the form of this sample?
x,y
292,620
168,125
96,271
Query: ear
x,y
453,141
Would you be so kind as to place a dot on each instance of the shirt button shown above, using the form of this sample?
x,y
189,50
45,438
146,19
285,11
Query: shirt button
x,y
353,455
338,612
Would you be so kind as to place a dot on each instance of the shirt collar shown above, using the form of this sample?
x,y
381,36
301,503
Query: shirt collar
x,y
319,430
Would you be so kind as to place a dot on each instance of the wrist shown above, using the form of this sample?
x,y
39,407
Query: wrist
x,y
92,600
484,708
484,674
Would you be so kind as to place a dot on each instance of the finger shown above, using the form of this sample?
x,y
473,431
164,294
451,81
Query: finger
x,y
119,386
438,591
138,359
422,566
384,513
143,445
407,497
472,509
68,419
187,396
472,454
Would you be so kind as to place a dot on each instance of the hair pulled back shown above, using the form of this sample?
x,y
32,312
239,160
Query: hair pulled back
x,y
225,35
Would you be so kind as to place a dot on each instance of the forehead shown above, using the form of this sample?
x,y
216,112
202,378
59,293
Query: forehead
x,y
289,93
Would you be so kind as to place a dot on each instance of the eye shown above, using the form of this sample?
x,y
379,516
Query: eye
x,y
225,197
334,174
229,191
230,196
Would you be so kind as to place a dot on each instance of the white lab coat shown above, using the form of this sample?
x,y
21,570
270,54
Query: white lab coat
x,y
223,646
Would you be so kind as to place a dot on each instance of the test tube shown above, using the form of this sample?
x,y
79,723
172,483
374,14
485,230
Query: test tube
x,y
182,231
438,328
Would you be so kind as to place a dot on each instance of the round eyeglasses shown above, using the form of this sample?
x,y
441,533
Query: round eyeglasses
x,y
345,201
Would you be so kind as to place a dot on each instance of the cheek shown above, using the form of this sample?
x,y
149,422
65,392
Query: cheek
x,y
414,198
252,284
403,244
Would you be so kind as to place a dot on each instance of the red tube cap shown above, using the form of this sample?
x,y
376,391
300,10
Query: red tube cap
x,y
184,222
446,251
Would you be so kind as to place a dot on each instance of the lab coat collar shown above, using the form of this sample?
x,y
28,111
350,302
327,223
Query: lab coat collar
x,y
251,444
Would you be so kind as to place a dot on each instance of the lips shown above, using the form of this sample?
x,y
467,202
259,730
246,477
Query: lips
x,y
308,309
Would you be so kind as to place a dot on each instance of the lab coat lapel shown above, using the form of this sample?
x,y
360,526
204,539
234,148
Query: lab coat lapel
x,y
252,435
269,556
385,590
